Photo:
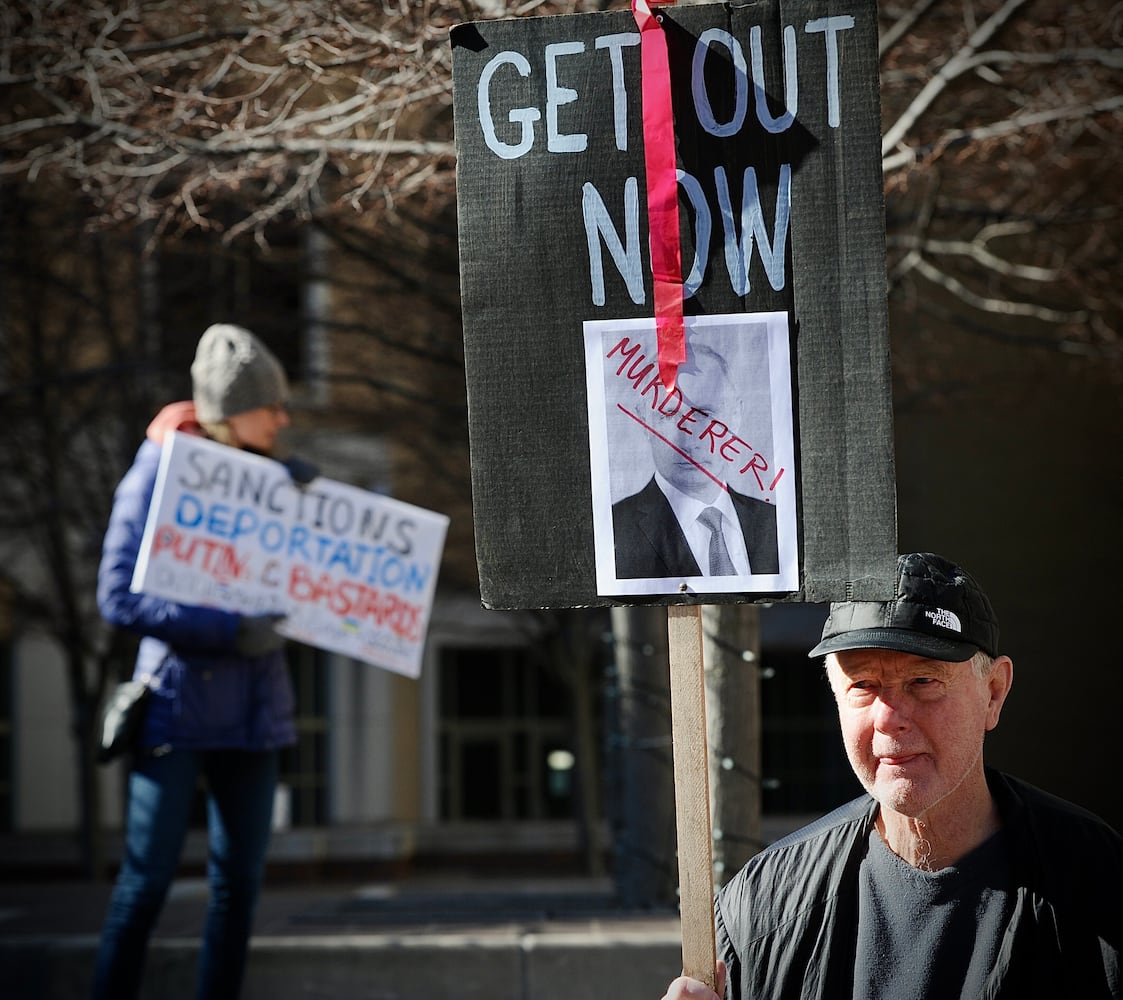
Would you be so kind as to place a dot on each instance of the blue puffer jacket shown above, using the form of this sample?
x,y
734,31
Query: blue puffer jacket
x,y
207,695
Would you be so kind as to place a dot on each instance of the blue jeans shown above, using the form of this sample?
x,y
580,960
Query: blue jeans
x,y
240,786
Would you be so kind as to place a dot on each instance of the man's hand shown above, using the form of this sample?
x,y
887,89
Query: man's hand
x,y
691,989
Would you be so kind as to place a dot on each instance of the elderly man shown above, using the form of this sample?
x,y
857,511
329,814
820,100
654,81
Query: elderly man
x,y
950,879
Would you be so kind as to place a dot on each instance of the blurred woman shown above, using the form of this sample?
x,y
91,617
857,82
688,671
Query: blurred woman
x,y
221,705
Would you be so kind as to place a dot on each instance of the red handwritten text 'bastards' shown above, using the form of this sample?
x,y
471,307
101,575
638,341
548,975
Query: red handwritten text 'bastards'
x,y
356,600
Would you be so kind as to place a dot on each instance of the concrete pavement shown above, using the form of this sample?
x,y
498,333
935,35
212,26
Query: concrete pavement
x,y
440,937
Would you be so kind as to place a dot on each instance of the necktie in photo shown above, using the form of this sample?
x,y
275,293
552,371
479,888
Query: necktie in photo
x,y
720,563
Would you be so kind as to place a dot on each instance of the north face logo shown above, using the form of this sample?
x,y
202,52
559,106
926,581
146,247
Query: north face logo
x,y
945,619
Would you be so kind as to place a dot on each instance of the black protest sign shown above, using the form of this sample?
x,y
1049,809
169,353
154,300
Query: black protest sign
x,y
781,215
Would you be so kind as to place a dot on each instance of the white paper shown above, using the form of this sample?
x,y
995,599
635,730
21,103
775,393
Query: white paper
x,y
727,427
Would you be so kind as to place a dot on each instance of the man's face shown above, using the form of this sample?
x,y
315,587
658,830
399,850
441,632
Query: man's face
x,y
706,388
913,727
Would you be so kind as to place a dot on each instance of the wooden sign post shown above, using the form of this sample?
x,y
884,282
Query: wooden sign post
x,y
692,792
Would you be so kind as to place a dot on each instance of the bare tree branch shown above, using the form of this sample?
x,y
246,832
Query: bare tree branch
x,y
1000,306
978,251
959,63
903,25
904,157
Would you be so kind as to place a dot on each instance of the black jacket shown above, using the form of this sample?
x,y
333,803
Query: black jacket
x,y
787,922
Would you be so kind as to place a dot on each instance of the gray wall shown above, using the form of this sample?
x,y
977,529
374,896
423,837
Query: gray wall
x,y
1014,470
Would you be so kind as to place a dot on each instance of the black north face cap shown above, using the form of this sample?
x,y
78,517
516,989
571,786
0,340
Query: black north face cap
x,y
940,612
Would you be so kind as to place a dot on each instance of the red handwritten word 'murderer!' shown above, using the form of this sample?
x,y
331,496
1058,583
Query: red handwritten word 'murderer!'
x,y
692,421
347,598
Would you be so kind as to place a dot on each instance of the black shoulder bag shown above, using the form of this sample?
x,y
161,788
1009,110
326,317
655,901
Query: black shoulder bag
x,y
122,718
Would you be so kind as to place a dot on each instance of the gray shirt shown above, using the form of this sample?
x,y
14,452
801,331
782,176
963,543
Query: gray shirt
x,y
930,935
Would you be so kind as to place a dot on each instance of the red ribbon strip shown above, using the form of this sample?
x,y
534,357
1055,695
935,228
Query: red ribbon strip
x,y
662,192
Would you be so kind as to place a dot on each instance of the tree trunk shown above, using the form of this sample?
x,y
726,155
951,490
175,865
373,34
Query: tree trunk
x,y
91,836
643,801
588,759
731,652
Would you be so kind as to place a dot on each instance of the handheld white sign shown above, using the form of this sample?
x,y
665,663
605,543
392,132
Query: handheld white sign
x,y
352,571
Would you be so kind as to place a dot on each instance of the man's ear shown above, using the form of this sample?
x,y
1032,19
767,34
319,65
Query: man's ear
x,y
999,682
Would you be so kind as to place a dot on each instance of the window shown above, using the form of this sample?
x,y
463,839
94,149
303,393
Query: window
x,y
802,757
6,756
505,738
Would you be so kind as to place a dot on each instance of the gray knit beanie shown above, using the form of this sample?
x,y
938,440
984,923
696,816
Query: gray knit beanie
x,y
234,372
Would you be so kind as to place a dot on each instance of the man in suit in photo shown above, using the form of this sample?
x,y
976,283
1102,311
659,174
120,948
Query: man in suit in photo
x,y
687,521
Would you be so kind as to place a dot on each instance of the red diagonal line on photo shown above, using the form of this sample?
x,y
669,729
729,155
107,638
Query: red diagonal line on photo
x,y
670,444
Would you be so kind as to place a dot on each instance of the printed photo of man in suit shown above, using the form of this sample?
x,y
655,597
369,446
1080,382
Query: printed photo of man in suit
x,y
687,521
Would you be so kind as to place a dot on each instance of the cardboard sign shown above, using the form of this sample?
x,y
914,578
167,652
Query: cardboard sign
x,y
353,571
777,127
